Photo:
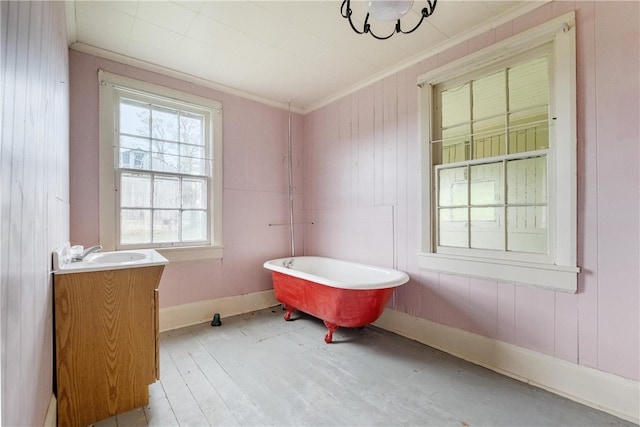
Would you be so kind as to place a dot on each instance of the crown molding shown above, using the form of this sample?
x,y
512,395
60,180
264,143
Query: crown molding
x,y
496,22
165,71
102,53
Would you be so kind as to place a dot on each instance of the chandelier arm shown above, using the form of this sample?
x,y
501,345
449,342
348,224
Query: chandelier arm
x,y
426,12
347,12
378,37
400,30
367,29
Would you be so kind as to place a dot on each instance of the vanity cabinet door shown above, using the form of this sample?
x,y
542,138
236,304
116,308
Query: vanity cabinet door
x,y
106,342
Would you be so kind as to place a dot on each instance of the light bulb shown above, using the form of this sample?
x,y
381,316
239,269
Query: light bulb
x,y
389,10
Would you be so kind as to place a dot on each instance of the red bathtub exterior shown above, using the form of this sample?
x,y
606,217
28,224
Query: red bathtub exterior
x,y
335,306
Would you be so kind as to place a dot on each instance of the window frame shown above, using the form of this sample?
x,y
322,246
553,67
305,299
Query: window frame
x,y
558,270
111,87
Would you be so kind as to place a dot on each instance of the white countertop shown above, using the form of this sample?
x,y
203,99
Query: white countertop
x,y
100,261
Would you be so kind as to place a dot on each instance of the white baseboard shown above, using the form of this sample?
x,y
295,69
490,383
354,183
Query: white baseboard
x,y
51,418
601,390
202,311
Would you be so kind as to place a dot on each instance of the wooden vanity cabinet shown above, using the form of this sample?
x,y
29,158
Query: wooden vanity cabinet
x,y
106,339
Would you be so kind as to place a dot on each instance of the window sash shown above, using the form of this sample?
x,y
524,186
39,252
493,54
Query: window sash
x,y
151,103
122,95
557,270
503,207
153,207
466,133
460,228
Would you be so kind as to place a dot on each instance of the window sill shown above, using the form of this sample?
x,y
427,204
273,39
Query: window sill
x,y
192,253
548,276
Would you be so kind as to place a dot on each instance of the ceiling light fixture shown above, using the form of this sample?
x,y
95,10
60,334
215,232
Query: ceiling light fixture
x,y
387,10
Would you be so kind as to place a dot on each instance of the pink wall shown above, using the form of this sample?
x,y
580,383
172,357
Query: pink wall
x,y
255,184
362,166
362,185
35,199
361,178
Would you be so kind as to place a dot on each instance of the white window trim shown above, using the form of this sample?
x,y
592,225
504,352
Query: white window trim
x,y
107,173
561,272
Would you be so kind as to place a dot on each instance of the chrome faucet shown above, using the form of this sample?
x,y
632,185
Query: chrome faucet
x,y
92,249
288,263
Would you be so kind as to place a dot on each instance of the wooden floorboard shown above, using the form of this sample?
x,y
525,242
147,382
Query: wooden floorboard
x,y
256,369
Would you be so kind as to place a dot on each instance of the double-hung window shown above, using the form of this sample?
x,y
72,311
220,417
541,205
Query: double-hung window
x,y
160,169
499,184
489,153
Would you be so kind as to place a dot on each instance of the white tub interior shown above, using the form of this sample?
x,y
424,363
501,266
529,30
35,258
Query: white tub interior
x,y
338,273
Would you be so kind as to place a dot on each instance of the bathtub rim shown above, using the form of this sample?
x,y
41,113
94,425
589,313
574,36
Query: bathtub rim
x,y
397,277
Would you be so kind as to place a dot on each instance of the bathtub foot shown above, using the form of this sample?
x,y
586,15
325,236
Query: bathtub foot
x,y
331,328
289,312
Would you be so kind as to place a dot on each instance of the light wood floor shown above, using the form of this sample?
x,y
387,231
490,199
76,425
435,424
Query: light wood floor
x,y
256,369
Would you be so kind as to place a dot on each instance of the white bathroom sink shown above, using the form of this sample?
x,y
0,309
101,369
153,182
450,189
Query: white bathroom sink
x,y
115,257
112,260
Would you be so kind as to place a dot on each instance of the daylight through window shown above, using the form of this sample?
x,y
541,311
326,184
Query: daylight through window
x,y
498,161
162,174
490,156
165,151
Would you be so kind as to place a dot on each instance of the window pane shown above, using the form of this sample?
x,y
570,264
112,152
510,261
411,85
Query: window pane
x,y
527,225
486,184
166,192
134,153
134,159
135,191
489,138
166,226
527,229
529,85
134,143
191,128
489,96
456,106
452,187
164,124
194,194
455,144
165,156
135,226
192,160
452,227
487,228
529,130
134,118
527,181
194,226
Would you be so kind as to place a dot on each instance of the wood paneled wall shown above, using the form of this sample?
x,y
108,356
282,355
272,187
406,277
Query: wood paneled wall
x,y
34,217
255,192
362,154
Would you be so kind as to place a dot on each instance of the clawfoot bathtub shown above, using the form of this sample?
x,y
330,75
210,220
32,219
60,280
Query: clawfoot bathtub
x,y
341,293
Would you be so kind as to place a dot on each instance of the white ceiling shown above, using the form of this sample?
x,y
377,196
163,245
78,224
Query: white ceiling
x,y
277,51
